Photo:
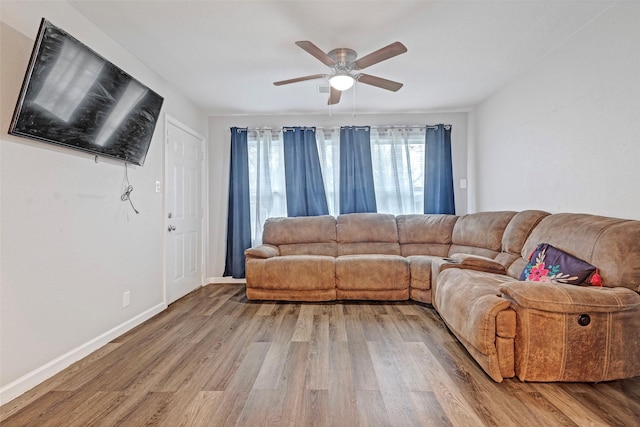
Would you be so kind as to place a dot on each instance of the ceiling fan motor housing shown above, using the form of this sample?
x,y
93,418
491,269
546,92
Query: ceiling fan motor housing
x,y
344,58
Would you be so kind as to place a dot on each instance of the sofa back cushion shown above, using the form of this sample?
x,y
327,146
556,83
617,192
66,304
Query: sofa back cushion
x,y
516,234
367,233
425,234
610,244
307,235
480,233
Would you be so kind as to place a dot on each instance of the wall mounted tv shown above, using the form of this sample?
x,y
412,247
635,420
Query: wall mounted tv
x,y
73,97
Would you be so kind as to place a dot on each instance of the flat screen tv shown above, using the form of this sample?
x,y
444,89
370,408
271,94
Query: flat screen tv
x,y
73,97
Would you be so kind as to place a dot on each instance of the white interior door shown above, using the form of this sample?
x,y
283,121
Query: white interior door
x,y
184,211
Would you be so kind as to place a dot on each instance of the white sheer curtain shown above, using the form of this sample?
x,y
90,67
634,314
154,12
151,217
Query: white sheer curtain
x,y
398,169
266,179
328,142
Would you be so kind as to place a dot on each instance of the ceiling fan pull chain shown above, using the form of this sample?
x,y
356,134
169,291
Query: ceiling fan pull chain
x,y
354,99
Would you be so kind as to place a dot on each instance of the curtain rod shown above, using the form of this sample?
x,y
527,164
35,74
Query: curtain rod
x,y
290,128
410,127
320,128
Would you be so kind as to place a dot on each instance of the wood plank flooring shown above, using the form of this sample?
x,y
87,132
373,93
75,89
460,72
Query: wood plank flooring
x,y
215,359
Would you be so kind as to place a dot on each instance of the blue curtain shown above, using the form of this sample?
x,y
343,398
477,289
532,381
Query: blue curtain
x,y
238,216
303,176
356,171
438,171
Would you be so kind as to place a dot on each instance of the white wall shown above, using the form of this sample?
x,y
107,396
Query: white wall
x,y
565,137
70,246
219,140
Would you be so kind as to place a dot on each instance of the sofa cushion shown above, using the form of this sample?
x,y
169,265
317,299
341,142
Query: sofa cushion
x,y
372,272
296,272
302,235
480,233
420,269
425,234
367,233
549,264
519,228
515,236
469,301
617,255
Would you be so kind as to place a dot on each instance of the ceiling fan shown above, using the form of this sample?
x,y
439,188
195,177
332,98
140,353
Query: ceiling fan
x,y
342,62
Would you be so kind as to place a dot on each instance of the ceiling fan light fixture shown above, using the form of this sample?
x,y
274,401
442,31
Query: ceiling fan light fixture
x,y
341,81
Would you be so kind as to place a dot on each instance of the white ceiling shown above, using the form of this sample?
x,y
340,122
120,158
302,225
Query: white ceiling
x,y
224,55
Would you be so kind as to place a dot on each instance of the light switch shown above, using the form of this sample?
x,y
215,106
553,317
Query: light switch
x,y
463,183
157,186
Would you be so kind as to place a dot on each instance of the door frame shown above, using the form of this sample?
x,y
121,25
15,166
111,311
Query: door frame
x,y
204,226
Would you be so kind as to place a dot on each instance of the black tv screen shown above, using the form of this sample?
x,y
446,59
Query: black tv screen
x,y
73,97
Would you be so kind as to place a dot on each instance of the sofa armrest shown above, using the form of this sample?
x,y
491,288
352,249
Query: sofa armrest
x,y
477,262
563,298
262,252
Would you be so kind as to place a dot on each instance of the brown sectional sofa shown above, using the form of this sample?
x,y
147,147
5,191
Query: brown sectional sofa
x,y
468,268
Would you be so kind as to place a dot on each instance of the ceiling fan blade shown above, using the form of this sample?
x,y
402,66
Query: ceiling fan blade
x,y
379,82
334,96
317,52
379,55
299,79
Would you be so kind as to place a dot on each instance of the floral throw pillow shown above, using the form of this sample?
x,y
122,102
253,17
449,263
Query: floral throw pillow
x,y
550,264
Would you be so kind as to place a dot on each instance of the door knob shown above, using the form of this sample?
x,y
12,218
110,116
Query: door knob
x,y
172,228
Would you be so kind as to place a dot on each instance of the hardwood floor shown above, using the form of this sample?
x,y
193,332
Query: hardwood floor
x,y
215,359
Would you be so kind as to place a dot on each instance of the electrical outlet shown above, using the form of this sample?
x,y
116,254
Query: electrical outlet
x,y
126,299
157,186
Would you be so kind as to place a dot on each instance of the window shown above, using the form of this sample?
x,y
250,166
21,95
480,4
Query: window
x,y
398,156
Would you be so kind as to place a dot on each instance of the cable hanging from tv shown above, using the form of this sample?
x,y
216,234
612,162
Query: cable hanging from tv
x,y
127,193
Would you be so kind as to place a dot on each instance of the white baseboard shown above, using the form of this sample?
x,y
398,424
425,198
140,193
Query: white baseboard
x,y
219,280
46,371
